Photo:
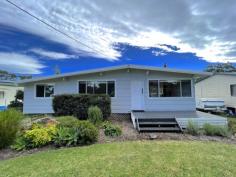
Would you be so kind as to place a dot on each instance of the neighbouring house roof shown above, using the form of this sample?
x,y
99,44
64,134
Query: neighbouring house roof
x,y
8,83
113,68
214,74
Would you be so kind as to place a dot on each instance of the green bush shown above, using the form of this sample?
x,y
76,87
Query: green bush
x,y
95,115
20,144
77,105
232,125
213,130
67,121
87,132
66,136
39,135
9,126
192,128
111,130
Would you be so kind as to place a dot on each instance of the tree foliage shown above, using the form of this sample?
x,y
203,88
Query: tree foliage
x,y
221,67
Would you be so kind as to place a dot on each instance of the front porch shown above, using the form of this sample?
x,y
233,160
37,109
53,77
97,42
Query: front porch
x,y
173,121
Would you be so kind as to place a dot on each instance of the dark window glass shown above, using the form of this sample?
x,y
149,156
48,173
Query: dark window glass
x,y
82,87
90,87
100,88
40,91
233,90
153,88
111,88
49,90
170,89
186,88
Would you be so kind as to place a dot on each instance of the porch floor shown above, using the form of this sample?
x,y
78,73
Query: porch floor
x,y
182,117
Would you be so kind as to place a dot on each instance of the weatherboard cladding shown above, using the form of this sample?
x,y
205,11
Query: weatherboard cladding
x,y
122,101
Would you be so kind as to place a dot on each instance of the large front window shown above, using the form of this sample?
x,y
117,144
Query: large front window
x,y
44,90
168,88
97,87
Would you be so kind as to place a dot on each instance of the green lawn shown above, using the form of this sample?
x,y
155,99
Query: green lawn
x,y
140,158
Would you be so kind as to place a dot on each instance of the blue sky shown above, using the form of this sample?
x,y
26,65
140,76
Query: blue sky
x,y
182,34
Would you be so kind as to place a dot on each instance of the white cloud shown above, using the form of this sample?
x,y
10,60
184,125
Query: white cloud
x,y
159,53
206,28
18,63
51,54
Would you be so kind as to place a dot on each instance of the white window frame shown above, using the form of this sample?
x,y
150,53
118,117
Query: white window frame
x,y
100,80
45,84
175,80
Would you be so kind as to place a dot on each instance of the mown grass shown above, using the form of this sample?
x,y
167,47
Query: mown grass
x,y
140,158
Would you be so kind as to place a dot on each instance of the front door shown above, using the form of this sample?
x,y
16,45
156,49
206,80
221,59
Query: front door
x,y
137,97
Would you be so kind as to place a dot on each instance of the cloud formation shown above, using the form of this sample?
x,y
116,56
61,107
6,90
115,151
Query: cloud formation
x,y
51,54
18,63
206,28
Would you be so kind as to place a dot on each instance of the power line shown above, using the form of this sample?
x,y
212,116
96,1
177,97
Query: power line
x,y
47,24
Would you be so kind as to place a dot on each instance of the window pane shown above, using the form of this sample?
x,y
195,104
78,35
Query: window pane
x,y
90,87
82,87
100,87
170,89
233,90
40,91
1,94
186,88
153,88
49,90
111,88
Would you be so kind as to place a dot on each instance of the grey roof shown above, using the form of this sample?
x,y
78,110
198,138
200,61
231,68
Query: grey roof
x,y
8,82
217,73
149,68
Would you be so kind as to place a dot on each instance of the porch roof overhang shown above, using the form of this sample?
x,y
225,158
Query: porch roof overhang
x,y
114,68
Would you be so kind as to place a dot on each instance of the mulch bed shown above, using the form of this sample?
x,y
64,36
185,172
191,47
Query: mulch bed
x,y
128,134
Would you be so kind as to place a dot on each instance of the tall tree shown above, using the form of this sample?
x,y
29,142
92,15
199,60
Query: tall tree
x,y
221,67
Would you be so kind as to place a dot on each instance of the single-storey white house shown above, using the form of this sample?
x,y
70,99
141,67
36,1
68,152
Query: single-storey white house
x,y
220,86
133,89
8,91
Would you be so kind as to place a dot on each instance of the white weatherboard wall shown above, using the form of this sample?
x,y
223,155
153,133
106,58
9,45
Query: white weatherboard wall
x,y
217,86
122,101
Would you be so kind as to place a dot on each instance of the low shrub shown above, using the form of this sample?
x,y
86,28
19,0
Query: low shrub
x,y
67,121
192,128
111,130
9,126
95,115
87,132
39,135
232,125
213,130
78,104
65,136
19,144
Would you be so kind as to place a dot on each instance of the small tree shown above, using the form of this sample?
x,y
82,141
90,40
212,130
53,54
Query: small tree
x,y
18,102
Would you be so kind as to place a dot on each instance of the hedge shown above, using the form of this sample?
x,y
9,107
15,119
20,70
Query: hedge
x,y
77,105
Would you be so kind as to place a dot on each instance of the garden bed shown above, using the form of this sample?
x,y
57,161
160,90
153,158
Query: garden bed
x,y
128,134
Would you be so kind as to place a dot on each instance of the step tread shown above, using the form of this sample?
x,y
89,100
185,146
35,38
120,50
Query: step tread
x,y
159,128
158,123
